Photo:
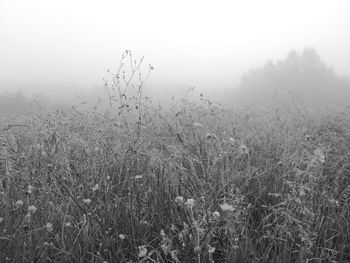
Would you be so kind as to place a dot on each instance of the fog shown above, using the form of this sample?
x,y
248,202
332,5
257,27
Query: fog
x,y
59,48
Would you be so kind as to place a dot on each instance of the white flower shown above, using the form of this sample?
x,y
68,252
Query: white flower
x,y
227,207
142,251
319,155
68,224
19,203
32,209
216,215
197,249
49,227
96,188
211,250
122,236
232,140
190,203
137,177
30,189
87,201
108,177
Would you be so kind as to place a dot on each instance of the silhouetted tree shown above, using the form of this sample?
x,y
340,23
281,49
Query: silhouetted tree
x,y
304,76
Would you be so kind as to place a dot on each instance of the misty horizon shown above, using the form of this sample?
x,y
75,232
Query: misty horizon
x,y
60,48
59,91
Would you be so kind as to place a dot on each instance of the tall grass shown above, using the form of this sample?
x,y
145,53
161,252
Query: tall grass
x,y
192,182
206,185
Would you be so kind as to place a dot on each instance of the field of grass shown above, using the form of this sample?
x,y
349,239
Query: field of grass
x,y
187,183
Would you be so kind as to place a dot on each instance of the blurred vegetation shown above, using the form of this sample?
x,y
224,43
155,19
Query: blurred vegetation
x,y
302,77
13,103
19,103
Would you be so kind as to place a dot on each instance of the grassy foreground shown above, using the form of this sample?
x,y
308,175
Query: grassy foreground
x,y
190,183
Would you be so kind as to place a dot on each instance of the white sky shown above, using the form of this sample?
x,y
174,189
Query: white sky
x,y
202,43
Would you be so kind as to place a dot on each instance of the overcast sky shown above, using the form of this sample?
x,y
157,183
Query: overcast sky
x,y
202,43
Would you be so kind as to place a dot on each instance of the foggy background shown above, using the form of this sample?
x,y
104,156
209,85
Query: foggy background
x,y
62,49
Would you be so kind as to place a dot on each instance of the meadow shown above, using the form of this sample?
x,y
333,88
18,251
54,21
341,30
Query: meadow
x,y
189,182
196,183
